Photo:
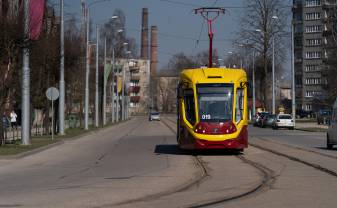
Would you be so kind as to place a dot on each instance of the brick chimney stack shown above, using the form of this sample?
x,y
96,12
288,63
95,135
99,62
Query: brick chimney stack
x,y
153,65
144,52
154,51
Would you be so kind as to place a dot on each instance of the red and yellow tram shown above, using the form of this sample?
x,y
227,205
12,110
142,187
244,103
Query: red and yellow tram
x,y
212,109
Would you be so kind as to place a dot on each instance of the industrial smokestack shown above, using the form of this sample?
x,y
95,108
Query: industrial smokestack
x,y
144,52
153,66
154,51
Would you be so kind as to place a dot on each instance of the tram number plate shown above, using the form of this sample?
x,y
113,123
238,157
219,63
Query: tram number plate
x,y
206,117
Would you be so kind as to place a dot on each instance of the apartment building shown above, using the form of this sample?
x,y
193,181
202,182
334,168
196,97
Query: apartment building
x,y
312,38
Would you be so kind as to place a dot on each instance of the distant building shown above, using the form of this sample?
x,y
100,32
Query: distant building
x,y
137,76
312,36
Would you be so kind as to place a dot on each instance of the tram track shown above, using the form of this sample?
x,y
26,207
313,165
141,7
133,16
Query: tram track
x,y
297,159
268,177
268,174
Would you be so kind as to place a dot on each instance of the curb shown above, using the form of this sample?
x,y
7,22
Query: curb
x,y
58,143
312,130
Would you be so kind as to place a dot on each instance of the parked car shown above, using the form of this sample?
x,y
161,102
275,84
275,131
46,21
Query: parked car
x,y
283,121
331,137
323,116
269,120
258,118
154,116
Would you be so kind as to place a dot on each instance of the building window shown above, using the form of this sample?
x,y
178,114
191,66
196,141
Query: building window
x,y
312,93
313,55
314,42
310,3
313,29
312,68
313,16
312,81
308,107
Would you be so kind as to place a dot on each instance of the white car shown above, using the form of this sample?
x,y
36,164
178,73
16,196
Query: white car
x,y
331,137
283,121
154,116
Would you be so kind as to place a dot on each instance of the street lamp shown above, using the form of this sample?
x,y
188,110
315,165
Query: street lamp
x,y
293,105
273,68
123,90
113,117
127,84
87,67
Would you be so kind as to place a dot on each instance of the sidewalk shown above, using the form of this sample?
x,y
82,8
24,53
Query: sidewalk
x,y
311,126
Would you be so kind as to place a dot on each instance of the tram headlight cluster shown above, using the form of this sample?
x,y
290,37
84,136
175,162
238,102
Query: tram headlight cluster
x,y
215,128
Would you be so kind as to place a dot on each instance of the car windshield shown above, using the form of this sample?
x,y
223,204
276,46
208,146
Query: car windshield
x,y
215,102
284,117
325,113
155,114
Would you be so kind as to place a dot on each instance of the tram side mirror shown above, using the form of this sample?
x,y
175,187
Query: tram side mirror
x,y
244,84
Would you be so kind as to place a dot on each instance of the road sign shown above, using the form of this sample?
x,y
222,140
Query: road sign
x,y
52,93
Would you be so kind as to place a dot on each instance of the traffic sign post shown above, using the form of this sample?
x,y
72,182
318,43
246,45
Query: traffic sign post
x,y
52,94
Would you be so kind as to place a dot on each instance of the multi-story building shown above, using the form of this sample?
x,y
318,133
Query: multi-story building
x,y
312,34
137,79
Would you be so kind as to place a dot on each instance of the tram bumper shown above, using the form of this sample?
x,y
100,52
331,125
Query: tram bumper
x,y
226,144
198,141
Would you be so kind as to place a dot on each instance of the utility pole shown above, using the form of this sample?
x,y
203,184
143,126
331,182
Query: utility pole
x,y
104,84
86,99
254,104
62,84
123,94
25,126
96,78
273,77
113,87
293,105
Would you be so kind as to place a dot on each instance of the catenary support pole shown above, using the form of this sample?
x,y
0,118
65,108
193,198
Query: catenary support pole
x,y
104,85
123,94
254,99
113,88
62,84
86,99
25,124
96,78
273,77
293,74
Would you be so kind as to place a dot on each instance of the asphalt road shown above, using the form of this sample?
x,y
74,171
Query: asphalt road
x,y
113,165
138,164
313,140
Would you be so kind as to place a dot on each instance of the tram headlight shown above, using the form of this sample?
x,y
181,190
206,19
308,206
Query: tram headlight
x,y
215,128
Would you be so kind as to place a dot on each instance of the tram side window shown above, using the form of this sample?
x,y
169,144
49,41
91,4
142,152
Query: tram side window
x,y
189,105
239,105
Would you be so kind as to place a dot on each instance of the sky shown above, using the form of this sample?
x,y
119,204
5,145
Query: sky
x,y
178,27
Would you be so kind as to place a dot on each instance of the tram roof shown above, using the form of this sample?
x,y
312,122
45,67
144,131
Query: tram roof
x,y
209,75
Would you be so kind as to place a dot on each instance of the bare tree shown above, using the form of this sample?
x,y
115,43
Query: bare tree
x,y
263,20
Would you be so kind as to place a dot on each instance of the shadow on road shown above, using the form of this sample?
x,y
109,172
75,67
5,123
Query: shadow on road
x,y
325,148
173,149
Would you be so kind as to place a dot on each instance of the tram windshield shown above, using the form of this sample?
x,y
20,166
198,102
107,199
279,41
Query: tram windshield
x,y
215,102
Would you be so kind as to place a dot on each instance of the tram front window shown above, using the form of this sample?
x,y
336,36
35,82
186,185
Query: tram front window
x,y
215,102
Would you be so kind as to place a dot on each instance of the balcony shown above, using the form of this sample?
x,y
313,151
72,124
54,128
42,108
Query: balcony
x,y
134,78
134,69
134,99
298,60
134,89
118,68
